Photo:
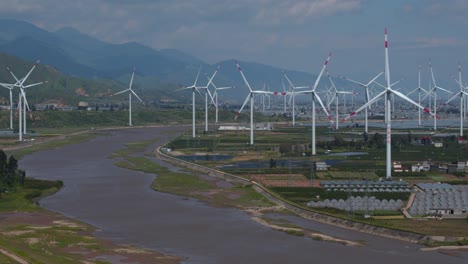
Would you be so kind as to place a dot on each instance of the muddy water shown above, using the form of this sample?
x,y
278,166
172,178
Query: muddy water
x,y
121,204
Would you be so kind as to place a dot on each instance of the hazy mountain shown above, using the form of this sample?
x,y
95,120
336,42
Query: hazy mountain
x,y
79,55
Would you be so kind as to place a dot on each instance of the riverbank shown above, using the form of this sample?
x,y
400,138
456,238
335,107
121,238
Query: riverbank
x,y
30,234
327,219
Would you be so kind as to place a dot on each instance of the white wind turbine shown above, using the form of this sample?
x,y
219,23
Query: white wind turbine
x,y
434,92
419,89
10,87
22,101
293,97
194,88
130,92
208,93
215,96
335,94
316,97
251,97
462,93
366,93
387,95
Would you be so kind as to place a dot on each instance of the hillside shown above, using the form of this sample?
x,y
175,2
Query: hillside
x,y
63,89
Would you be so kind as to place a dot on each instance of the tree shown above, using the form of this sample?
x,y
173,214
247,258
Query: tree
x,y
285,148
12,164
339,141
272,163
365,136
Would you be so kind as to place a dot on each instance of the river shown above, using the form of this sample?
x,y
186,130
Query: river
x,y
120,203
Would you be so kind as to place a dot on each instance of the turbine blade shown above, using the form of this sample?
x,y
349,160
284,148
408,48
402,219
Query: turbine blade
x,y
243,105
323,107
196,79
373,80
34,84
413,91
445,90
449,100
211,97
373,100
184,88
25,100
356,82
121,92
404,97
243,77
136,96
131,80
321,72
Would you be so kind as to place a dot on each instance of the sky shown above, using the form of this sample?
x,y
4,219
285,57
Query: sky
x,y
290,34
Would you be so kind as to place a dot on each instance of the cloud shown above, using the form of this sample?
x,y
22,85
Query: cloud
x,y
299,12
424,42
453,11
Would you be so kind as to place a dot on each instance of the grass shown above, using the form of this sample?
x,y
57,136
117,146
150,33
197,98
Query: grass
x,y
188,184
6,260
22,199
447,227
52,144
48,237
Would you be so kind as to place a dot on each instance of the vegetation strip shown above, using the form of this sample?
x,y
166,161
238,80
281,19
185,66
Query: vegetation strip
x,y
305,212
35,235
13,256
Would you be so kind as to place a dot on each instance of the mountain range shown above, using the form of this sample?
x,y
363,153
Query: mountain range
x,y
158,72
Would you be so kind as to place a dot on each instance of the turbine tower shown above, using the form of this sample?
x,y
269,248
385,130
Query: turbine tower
x,y
10,87
130,92
215,96
22,101
366,93
462,93
293,97
335,94
251,97
316,98
387,94
194,88
208,93
419,89
434,92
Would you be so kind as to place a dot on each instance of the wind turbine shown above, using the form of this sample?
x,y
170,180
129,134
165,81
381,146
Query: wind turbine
x,y
462,93
10,87
293,97
335,94
194,88
251,97
419,89
22,99
316,97
130,92
434,91
208,93
387,95
215,96
366,90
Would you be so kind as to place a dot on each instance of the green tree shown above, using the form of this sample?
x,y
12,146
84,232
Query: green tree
x,y
272,163
365,136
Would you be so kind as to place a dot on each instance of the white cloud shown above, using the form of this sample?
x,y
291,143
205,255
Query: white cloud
x,y
299,12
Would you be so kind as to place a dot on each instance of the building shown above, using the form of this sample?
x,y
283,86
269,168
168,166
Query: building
x,y
321,166
397,167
